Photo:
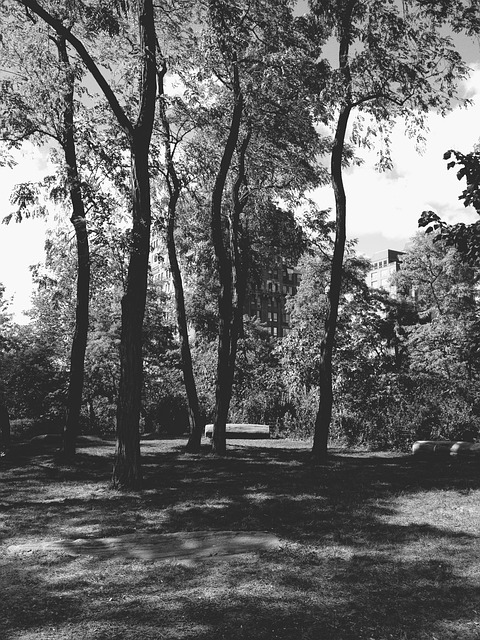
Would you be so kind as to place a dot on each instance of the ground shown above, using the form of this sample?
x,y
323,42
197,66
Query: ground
x,y
372,546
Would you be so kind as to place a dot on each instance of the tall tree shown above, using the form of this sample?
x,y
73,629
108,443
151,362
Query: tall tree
x,y
260,159
174,188
53,121
137,130
393,62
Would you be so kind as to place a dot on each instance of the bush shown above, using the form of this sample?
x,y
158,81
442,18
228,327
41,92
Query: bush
x,y
403,408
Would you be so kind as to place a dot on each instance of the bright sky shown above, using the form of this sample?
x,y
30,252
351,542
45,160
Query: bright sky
x,y
383,208
21,245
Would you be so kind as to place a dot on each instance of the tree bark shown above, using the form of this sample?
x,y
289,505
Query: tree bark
x,y
174,187
194,415
5,434
324,414
231,305
223,253
127,468
78,219
127,472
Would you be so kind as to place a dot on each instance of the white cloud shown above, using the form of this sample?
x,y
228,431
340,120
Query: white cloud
x,y
390,203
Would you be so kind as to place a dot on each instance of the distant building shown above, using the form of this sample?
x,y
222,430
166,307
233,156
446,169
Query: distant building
x,y
266,301
160,267
384,265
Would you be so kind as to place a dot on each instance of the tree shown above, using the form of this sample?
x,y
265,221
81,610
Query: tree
x,y
4,415
138,130
393,62
54,121
465,238
445,342
174,187
261,155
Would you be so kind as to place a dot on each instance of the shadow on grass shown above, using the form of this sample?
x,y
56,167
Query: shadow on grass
x,y
350,565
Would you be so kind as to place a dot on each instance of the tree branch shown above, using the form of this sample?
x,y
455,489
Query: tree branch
x,y
87,60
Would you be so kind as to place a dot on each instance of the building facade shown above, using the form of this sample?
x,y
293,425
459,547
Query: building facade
x,y
265,302
384,265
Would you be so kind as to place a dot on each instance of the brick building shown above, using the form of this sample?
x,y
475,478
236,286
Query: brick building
x,y
266,301
384,265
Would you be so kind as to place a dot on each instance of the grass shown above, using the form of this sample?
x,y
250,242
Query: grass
x,y
373,546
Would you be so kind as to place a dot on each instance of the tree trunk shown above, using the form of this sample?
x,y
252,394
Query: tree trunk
x,y
78,219
127,473
127,468
5,435
224,380
92,417
324,414
79,342
223,254
194,416
235,272
148,421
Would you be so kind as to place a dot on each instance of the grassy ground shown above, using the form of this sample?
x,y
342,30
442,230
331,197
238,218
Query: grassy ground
x,y
373,546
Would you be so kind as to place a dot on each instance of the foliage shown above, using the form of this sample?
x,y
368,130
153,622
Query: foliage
x,y
418,377
464,237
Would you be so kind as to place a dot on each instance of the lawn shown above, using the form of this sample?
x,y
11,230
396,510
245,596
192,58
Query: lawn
x,y
372,546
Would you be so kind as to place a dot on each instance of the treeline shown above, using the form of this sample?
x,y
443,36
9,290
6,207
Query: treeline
x,y
209,122
406,367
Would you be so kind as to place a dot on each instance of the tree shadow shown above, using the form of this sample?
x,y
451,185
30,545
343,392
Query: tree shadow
x,y
30,600
347,567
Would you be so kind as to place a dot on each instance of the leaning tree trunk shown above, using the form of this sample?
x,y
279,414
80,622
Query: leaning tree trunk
x,y
174,187
224,381
78,219
194,416
234,270
324,414
232,298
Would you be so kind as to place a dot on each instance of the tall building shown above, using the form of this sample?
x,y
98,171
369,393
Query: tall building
x,y
160,267
384,265
266,301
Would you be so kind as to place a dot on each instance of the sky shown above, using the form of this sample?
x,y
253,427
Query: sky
x,y
382,208
21,245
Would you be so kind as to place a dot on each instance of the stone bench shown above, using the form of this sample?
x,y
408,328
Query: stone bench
x,y
241,430
428,448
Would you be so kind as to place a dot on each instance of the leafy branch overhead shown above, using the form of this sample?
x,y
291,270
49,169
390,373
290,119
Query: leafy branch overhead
x,y
465,237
